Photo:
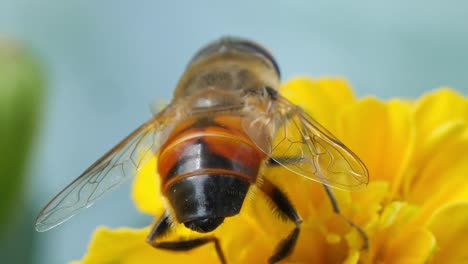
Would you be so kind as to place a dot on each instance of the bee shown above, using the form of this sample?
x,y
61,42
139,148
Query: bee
x,y
226,121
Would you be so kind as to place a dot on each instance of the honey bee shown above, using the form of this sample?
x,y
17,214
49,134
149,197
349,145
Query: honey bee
x,y
226,120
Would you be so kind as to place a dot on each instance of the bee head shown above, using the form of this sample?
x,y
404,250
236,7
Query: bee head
x,y
237,45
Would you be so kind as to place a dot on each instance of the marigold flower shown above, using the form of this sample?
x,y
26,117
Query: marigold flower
x,y
414,210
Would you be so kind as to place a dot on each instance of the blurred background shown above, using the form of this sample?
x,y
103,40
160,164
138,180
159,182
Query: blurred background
x,y
78,76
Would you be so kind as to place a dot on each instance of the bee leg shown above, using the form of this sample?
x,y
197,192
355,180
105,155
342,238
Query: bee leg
x,y
277,161
163,226
288,212
336,209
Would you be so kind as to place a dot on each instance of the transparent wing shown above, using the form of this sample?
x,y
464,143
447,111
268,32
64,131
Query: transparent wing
x,y
106,174
300,144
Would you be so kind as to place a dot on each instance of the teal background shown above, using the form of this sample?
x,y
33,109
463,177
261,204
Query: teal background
x,y
106,61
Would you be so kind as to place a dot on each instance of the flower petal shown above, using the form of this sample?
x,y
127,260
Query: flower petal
x,y
442,177
380,134
389,234
416,246
353,258
321,98
441,120
450,227
146,192
436,108
367,204
128,246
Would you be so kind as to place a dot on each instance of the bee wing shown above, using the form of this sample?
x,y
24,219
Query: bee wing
x,y
300,144
106,174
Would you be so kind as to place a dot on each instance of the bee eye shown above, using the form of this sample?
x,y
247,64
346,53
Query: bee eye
x,y
237,44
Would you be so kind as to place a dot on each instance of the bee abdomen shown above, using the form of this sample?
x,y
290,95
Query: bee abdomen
x,y
208,155
206,168
207,195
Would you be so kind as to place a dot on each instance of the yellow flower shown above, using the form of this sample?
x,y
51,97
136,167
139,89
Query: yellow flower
x,y
414,210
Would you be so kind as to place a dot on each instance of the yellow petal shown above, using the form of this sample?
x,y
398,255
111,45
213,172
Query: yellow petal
x,y
245,240
321,98
441,178
367,203
128,246
353,258
450,227
441,118
416,246
392,212
437,142
389,226
448,164
381,135
436,108
146,192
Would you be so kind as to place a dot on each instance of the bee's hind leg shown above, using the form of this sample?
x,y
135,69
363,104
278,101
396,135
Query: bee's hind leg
x,y
277,161
288,212
164,225
337,210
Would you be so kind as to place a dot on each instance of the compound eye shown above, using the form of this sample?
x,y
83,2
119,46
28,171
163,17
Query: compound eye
x,y
238,44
